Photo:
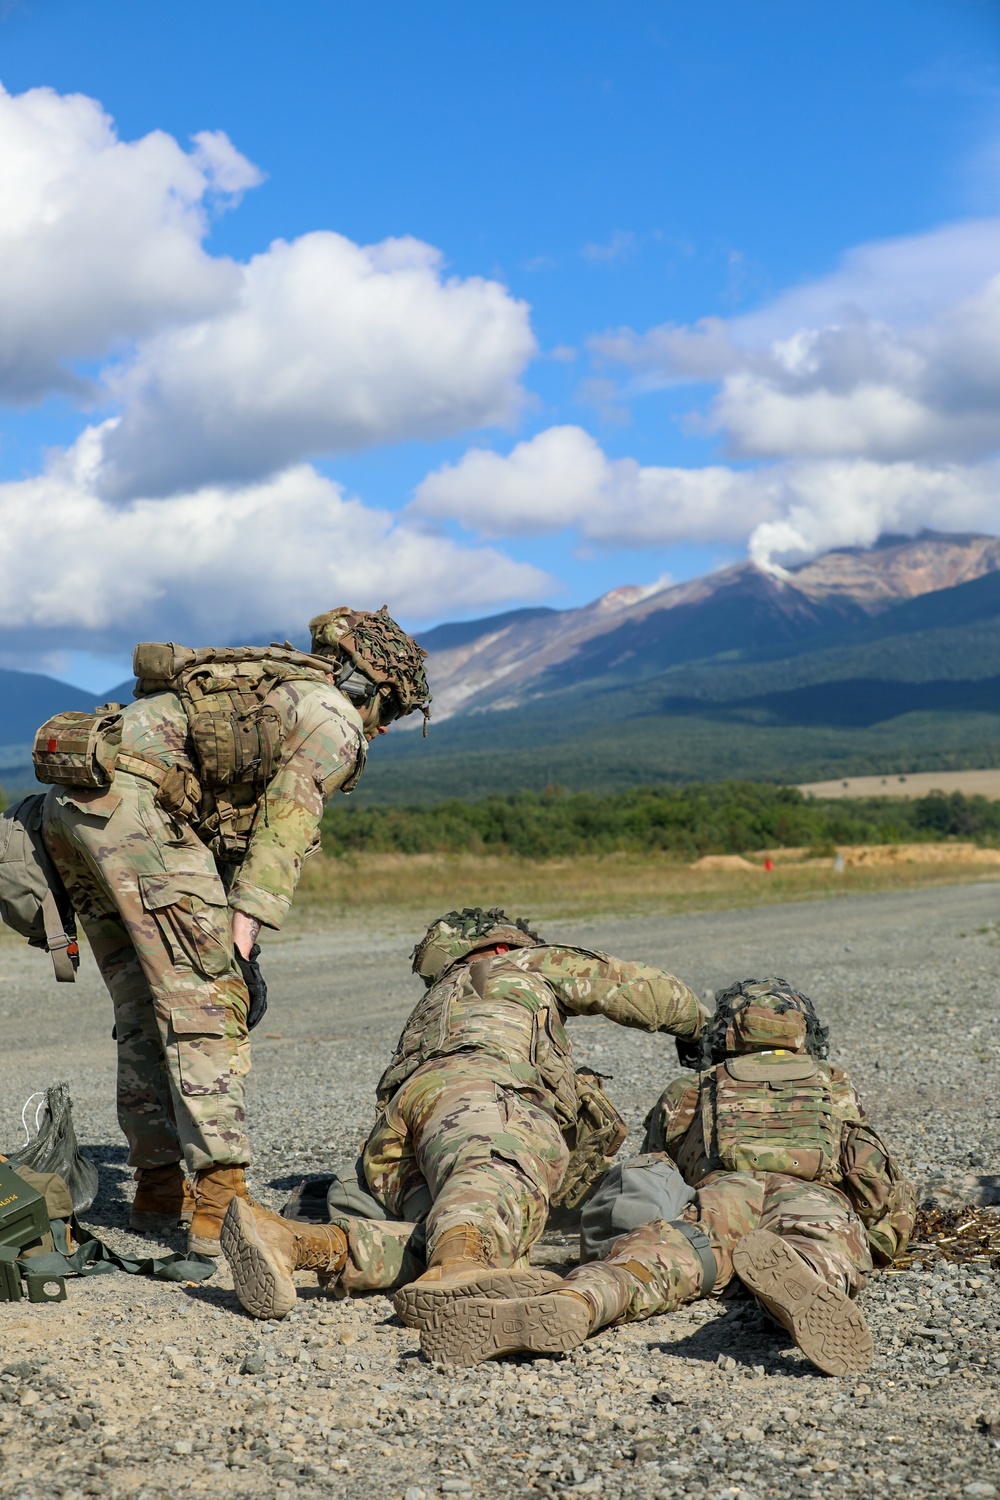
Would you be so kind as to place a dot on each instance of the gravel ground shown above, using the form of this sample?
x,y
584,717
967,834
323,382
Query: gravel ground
x,y
146,1389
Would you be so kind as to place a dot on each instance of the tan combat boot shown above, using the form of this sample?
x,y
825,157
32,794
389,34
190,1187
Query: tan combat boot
x,y
263,1250
163,1199
477,1328
827,1326
461,1266
214,1190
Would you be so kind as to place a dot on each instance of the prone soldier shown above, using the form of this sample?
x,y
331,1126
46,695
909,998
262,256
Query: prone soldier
x,y
178,834
482,1121
794,1193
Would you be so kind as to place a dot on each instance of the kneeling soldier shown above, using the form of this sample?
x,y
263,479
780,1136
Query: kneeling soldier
x,y
794,1193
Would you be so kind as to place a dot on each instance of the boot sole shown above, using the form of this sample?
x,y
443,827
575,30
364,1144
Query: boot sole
x,y
263,1286
469,1332
416,1304
826,1325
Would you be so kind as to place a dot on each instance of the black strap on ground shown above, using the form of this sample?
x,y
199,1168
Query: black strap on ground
x,y
93,1257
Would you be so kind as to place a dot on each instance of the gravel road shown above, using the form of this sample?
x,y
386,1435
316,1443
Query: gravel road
x,y
136,1388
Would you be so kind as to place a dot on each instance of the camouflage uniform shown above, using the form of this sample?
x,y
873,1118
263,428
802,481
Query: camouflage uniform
x,y
157,911
861,1207
478,1100
794,1192
482,1118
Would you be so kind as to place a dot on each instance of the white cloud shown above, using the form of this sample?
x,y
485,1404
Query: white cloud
x,y
219,564
894,356
329,347
866,389
842,504
100,240
562,480
225,372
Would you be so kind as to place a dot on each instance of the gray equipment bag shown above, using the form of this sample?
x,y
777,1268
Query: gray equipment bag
x,y
631,1193
33,899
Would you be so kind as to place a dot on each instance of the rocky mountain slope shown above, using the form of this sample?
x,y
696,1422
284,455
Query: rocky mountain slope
x,y
499,662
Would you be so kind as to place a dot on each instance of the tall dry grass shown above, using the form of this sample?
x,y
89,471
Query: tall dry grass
x,y
588,884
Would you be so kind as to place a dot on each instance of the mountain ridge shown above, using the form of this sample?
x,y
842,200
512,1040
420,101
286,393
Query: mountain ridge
x,y
739,607
863,660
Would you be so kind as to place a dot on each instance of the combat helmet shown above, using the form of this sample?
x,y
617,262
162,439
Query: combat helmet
x,y
459,933
762,1015
378,657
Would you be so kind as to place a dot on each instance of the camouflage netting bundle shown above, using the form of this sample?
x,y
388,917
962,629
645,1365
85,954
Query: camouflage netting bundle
x,y
759,1014
380,649
459,933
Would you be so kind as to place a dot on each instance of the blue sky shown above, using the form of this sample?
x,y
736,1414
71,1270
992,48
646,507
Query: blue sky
x,y
617,167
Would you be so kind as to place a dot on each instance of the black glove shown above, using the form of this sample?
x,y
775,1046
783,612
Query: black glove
x,y
688,1052
256,987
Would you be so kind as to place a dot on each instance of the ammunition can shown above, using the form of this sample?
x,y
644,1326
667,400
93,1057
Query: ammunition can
x,y
23,1215
10,1280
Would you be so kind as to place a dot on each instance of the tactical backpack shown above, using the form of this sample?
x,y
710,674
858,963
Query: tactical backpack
x,y
33,899
642,1190
235,735
771,1112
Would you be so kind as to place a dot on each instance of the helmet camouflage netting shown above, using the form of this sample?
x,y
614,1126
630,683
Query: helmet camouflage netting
x,y
380,649
758,1015
459,933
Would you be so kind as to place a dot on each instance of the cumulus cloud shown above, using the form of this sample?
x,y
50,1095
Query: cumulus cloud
x,y
100,239
840,504
895,356
562,480
328,347
224,372
219,564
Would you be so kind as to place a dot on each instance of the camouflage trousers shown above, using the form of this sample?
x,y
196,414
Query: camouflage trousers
x,y
461,1144
655,1268
150,900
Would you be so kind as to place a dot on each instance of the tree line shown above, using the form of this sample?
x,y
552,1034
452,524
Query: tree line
x,y
706,818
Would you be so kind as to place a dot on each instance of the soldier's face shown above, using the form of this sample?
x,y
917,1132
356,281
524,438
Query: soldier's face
x,y
370,719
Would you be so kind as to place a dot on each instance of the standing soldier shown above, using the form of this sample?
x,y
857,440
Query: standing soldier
x,y
482,1120
179,830
794,1193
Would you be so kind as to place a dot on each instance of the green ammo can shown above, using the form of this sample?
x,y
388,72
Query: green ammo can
x,y
23,1215
10,1279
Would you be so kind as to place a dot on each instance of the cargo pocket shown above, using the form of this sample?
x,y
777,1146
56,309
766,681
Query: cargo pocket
x,y
199,1034
194,918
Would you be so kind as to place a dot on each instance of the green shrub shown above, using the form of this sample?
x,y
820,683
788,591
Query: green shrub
x,y
717,818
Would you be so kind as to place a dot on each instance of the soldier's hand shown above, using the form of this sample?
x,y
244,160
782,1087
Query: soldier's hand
x,y
689,1052
255,983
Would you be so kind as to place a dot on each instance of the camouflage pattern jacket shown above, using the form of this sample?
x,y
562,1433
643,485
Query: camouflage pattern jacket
x,y
323,751
513,1007
765,1112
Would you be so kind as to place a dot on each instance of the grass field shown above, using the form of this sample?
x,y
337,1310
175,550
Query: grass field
x,y
429,883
